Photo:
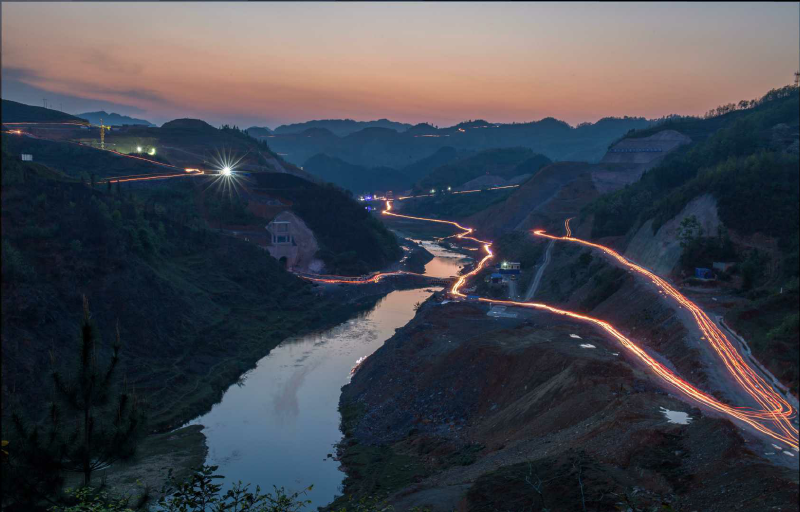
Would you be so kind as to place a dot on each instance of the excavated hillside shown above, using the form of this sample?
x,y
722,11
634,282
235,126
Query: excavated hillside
x,y
458,411
561,190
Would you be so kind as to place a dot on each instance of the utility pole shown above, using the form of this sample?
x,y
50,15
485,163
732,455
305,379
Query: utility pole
x,y
102,134
797,78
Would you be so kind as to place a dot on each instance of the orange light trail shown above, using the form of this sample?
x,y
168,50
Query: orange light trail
x,y
402,198
356,280
777,411
776,408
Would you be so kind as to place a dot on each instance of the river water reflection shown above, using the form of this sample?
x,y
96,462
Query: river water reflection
x,y
278,426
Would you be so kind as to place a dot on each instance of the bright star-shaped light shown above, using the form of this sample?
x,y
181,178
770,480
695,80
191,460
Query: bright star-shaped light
x,y
226,171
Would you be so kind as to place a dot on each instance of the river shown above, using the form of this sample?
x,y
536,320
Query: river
x,y
278,425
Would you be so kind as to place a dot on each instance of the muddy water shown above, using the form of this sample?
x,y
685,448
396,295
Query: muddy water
x,y
279,424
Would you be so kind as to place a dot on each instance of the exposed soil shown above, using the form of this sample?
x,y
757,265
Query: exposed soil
x,y
461,412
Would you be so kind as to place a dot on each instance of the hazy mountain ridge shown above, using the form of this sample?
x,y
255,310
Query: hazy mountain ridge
x,y
383,147
341,127
113,119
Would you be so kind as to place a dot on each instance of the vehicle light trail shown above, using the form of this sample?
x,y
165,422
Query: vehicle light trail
x,y
403,198
355,280
775,406
775,419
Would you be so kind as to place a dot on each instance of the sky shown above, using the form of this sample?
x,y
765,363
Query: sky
x,y
267,64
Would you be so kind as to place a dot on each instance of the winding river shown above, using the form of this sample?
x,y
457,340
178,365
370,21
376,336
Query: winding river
x,y
278,426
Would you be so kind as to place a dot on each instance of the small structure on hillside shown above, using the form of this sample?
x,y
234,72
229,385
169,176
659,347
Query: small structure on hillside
x,y
27,157
290,240
496,278
509,267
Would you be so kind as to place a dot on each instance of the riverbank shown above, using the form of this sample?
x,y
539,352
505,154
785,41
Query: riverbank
x,y
185,448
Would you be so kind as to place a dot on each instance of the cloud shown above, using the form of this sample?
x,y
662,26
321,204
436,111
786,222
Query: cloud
x,y
18,90
106,62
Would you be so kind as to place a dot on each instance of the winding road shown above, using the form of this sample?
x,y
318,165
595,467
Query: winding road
x,y
775,416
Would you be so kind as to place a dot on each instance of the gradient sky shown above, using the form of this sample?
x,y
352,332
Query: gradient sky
x,y
268,64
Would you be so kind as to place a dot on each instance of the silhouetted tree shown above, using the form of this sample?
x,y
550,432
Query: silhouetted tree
x,y
104,426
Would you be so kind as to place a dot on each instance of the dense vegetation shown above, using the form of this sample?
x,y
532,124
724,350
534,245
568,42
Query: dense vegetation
x,y
351,240
741,159
505,163
14,112
195,308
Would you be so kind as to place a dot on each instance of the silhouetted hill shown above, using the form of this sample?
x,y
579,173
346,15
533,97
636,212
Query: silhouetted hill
x,y
195,125
258,131
15,112
423,167
341,127
113,119
356,178
374,147
505,163
195,308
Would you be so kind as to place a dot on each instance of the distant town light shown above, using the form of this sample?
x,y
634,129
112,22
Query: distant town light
x,y
448,188
226,171
152,151
138,149
433,191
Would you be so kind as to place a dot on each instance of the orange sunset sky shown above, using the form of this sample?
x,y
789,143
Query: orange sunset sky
x,y
267,64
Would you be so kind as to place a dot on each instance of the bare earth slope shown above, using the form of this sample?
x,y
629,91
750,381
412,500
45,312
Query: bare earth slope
x,y
515,413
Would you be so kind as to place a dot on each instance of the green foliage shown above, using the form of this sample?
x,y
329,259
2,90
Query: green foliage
x,y
107,425
201,493
88,499
736,161
702,251
13,264
689,231
87,428
751,269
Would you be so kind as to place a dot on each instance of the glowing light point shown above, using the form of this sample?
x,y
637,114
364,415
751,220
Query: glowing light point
x,y
152,151
138,149
226,171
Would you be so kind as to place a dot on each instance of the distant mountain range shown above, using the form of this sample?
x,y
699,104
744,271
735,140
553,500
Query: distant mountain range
x,y
341,127
112,119
445,168
379,144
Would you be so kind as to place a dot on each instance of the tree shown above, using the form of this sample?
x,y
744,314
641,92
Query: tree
x,y
105,426
689,231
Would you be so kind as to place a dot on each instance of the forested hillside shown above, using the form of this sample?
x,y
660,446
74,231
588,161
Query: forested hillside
x,y
748,159
351,240
15,112
505,163
195,308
